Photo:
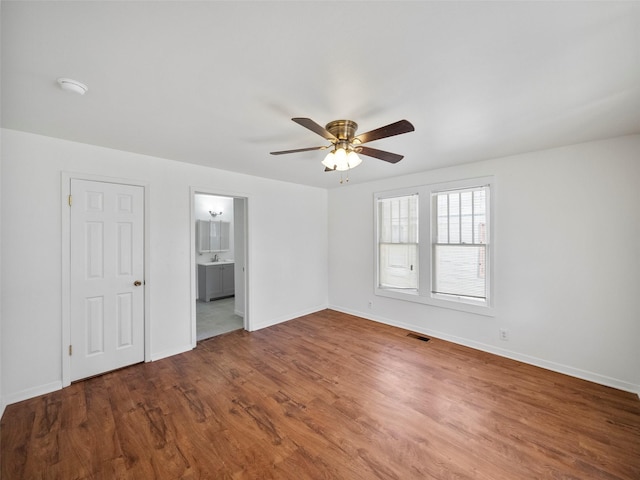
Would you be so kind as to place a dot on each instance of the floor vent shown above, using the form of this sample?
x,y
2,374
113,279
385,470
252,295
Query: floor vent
x,y
418,337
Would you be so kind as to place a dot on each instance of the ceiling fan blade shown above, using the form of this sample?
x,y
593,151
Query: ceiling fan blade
x,y
282,152
314,127
397,128
327,169
381,154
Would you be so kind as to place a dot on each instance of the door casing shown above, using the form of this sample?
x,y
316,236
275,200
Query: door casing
x,y
218,193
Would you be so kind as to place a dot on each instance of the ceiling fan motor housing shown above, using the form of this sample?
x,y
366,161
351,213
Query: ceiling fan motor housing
x,y
343,130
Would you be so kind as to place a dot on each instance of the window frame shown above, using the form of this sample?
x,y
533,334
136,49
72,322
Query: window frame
x,y
427,219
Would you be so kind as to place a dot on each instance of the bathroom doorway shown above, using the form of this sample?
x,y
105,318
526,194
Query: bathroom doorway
x,y
219,264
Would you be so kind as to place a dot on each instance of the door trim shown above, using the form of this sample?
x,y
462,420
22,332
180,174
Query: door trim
x,y
247,238
65,190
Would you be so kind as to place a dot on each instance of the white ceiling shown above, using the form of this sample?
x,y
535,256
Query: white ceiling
x,y
216,83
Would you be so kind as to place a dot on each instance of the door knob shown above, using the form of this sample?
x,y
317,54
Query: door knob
x,y
137,283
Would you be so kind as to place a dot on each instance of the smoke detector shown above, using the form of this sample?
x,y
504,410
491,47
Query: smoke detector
x,y
74,86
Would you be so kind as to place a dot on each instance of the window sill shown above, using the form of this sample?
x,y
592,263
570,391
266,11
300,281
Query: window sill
x,y
460,303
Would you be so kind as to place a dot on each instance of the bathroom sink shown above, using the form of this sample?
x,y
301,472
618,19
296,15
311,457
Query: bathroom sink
x,y
219,262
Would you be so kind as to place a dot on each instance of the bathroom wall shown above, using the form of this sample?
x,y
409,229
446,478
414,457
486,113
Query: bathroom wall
x,y
203,203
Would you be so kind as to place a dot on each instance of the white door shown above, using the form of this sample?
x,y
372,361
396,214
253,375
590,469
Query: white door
x,y
107,283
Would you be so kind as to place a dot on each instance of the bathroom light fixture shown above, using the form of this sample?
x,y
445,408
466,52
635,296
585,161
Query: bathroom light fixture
x,y
214,214
73,86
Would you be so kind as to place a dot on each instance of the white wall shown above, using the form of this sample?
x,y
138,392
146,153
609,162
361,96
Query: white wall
x,y
566,279
567,261
287,252
2,403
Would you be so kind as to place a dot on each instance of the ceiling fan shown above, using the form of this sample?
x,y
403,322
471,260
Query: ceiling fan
x,y
345,145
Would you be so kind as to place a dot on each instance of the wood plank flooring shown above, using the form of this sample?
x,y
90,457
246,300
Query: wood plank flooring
x,y
325,396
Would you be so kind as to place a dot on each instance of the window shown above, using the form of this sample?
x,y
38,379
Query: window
x,y
451,267
460,243
398,242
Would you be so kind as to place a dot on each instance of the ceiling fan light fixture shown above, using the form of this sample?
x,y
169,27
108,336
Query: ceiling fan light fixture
x,y
340,160
329,161
353,160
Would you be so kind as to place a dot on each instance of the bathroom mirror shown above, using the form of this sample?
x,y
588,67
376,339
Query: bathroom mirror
x,y
213,236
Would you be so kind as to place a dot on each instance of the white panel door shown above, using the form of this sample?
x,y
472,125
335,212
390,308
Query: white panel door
x,y
107,284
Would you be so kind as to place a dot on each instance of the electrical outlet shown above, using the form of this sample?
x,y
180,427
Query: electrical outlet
x,y
370,304
504,334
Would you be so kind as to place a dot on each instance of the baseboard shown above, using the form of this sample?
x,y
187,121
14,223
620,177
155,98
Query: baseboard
x,y
170,352
53,386
30,393
528,359
286,318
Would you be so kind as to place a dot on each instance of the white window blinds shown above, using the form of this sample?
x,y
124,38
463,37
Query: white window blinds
x,y
398,242
460,243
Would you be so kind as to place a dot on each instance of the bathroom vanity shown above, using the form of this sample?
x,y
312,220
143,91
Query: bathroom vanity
x,y
215,280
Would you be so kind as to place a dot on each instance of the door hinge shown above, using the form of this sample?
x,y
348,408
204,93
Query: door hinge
x,y
70,350
69,200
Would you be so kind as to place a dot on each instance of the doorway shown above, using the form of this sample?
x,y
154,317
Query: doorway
x,y
218,264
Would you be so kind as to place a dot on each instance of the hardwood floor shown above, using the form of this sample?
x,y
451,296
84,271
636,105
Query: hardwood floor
x,y
326,396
